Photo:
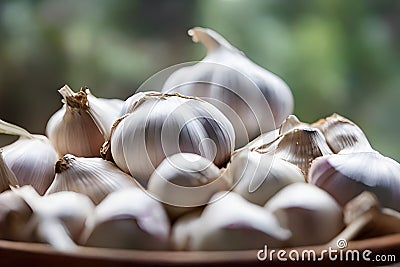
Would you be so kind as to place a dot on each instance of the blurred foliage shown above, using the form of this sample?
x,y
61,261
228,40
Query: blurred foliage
x,y
336,55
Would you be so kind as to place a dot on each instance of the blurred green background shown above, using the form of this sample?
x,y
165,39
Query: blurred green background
x,y
336,55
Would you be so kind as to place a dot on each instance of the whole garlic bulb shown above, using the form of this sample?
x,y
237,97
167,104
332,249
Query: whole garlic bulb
x,y
7,177
84,122
345,176
232,223
128,219
257,177
343,135
185,181
93,177
310,213
15,215
254,99
31,158
159,125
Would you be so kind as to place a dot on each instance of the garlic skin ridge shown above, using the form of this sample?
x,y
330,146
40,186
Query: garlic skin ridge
x,y
83,123
93,177
159,125
229,80
31,158
7,177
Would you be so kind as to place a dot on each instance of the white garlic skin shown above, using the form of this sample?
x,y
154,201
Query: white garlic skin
x,y
345,176
254,99
310,213
32,161
93,177
7,177
128,219
15,214
159,125
257,177
182,229
185,181
84,122
230,222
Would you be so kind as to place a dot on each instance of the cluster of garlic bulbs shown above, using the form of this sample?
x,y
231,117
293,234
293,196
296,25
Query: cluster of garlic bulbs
x,y
223,167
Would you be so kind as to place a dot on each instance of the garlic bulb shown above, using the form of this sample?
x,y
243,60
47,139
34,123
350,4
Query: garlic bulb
x,y
232,223
345,176
185,181
257,177
7,177
31,158
93,177
343,135
128,219
84,122
298,145
15,215
310,213
254,99
159,125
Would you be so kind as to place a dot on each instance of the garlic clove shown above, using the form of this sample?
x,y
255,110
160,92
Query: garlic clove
x,y
345,176
93,177
15,215
7,177
182,229
257,177
232,223
31,158
160,125
310,213
84,122
343,135
128,219
261,140
254,99
185,181
299,146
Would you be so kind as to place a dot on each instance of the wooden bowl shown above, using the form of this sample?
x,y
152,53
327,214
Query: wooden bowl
x,y
30,254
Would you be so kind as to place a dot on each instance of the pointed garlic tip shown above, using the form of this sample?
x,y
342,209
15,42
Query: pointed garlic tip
x,y
257,177
11,129
63,163
290,123
210,39
303,209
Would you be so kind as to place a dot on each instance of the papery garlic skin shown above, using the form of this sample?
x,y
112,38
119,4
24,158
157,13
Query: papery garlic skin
x,y
15,215
84,122
31,158
230,222
159,125
254,99
299,145
182,229
310,213
7,177
343,135
345,176
257,177
93,177
185,181
128,219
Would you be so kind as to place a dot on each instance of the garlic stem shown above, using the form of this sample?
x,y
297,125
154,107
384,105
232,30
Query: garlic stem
x,y
210,39
11,129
